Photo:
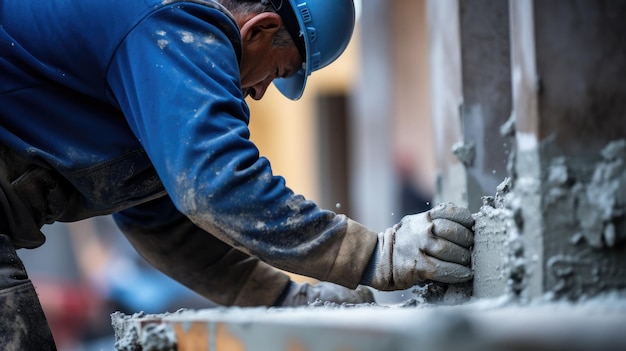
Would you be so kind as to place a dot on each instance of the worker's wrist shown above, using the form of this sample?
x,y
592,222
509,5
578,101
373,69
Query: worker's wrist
x,y
281,298
370,268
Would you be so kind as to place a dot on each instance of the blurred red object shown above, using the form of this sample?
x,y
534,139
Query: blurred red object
x,y
69,307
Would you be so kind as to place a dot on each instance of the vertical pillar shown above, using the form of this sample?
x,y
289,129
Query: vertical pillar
x,y
447,97
470,65
486,87
568,61
471,87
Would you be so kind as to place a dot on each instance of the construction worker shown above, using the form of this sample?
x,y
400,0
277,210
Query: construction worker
x,y
137,109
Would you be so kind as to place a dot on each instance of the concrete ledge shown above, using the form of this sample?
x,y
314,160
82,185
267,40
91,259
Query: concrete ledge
x,y
486,325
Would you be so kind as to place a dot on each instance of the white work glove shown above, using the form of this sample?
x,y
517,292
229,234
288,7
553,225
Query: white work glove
x,y
432,245
301,294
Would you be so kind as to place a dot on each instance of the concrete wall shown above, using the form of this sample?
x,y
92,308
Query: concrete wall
x,y
570,104
556,226
471,88
470,65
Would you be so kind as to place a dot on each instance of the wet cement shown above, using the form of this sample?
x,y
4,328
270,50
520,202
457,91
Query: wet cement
x,y
556,226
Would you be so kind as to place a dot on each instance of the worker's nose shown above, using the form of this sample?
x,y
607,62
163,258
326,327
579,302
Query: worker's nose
x,y
258,90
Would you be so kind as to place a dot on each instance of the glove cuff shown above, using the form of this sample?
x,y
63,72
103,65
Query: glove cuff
x,y
353,256
281,298
370,269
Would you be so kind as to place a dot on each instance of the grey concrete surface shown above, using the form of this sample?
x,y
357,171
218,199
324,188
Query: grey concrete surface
x,y
490,324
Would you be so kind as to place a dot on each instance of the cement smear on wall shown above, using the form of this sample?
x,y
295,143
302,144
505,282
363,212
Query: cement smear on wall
x,y
589,204
497,250
555,228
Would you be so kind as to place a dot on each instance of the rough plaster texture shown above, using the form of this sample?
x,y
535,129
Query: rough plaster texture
x,y
493,239
584,221
568,170
560,234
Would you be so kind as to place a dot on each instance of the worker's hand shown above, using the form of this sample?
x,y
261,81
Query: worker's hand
x,y
432,245
301,294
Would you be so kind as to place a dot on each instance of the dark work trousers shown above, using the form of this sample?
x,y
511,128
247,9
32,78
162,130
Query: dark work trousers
x,y
23,325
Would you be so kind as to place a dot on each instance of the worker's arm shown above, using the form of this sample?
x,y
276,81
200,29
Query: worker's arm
x,y
213,269
176,79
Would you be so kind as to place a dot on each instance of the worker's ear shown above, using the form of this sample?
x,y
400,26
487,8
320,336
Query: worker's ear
x,y
261,27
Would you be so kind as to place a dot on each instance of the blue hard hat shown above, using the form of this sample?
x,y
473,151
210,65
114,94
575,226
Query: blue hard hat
x,y
321,29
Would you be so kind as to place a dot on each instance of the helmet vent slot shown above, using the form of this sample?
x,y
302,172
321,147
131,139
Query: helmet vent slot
x,y
304,11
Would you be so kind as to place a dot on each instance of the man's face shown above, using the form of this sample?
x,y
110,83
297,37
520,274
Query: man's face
x,y
259,69
261,62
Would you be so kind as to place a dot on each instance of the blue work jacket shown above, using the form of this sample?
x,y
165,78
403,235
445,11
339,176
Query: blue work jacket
x,y
136,107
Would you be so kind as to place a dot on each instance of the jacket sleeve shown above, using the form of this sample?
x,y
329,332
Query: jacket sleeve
x,y
206,265
176,79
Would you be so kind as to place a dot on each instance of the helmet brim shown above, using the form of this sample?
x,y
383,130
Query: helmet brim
x,y
292,87
324,39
